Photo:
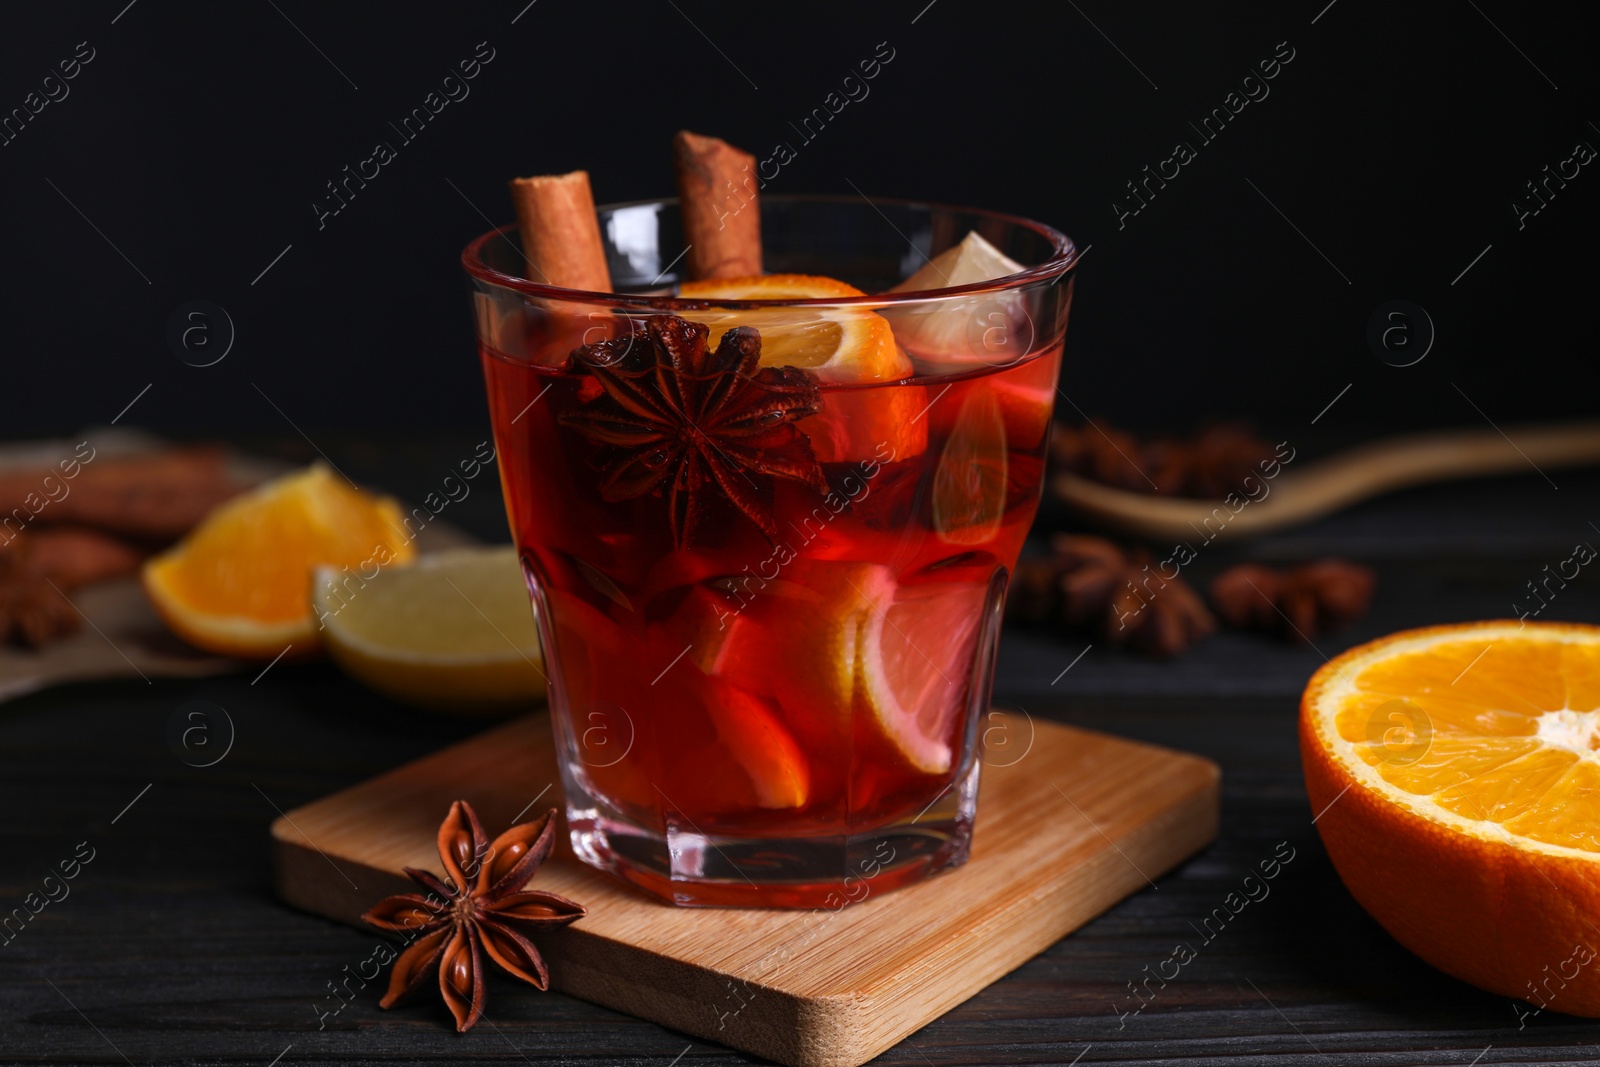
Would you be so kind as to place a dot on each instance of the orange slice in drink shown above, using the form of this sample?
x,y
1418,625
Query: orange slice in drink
x,y
793,638
750,736
843,345
833,640
239,584
1454,774
835,344
916,666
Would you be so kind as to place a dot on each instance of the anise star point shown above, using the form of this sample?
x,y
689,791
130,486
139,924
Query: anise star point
x,y
678,418
480,908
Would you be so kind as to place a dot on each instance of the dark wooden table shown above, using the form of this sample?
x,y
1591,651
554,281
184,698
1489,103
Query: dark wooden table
x,y
171,949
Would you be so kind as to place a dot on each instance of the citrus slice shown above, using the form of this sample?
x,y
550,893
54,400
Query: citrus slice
x,y
836,344
854,642
951,334
916,665
728,746
969,487
453,631
974,259
751,737
768,287
1454,773
237,584
794,638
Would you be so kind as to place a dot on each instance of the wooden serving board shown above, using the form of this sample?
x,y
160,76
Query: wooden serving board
x,y
1064,831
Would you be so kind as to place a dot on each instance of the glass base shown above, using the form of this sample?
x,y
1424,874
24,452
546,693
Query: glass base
x,y
692,869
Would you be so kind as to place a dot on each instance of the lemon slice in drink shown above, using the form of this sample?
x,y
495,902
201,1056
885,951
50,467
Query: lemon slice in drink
x,y
964,332
453,632
973,260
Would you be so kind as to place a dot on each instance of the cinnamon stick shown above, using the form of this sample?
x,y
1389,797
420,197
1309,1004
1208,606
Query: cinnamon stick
x,y
73,556
721,217
560,233
158,497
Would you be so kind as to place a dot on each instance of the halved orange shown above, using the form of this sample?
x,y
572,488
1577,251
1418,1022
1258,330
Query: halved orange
x,y
239,583
1454,774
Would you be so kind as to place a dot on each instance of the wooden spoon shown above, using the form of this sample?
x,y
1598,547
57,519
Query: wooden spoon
x,y
1299,495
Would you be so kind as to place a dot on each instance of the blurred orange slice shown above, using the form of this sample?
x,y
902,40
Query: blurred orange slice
x,y
239,583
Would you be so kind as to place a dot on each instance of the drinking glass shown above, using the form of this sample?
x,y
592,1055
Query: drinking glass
x,y
770,598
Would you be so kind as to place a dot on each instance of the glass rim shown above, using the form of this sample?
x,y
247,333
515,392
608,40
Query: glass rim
x,y
1063,259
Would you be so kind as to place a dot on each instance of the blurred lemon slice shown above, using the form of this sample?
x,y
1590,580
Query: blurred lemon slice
x,y
453,632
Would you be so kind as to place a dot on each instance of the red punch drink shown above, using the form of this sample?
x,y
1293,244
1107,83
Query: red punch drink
x,y
767,525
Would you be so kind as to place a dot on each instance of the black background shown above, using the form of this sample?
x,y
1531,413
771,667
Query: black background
x,y
199,136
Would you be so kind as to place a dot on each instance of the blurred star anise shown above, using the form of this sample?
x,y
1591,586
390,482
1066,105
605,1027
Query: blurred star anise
x,y
1213,463
480,909
1298,603
679,417
1094,586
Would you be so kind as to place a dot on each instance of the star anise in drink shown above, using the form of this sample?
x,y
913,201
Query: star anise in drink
x,y
679,419
480,908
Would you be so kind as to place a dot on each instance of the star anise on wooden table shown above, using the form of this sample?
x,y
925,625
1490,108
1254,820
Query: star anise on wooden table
x,y
1092,585
677,417
1298,603
480,908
